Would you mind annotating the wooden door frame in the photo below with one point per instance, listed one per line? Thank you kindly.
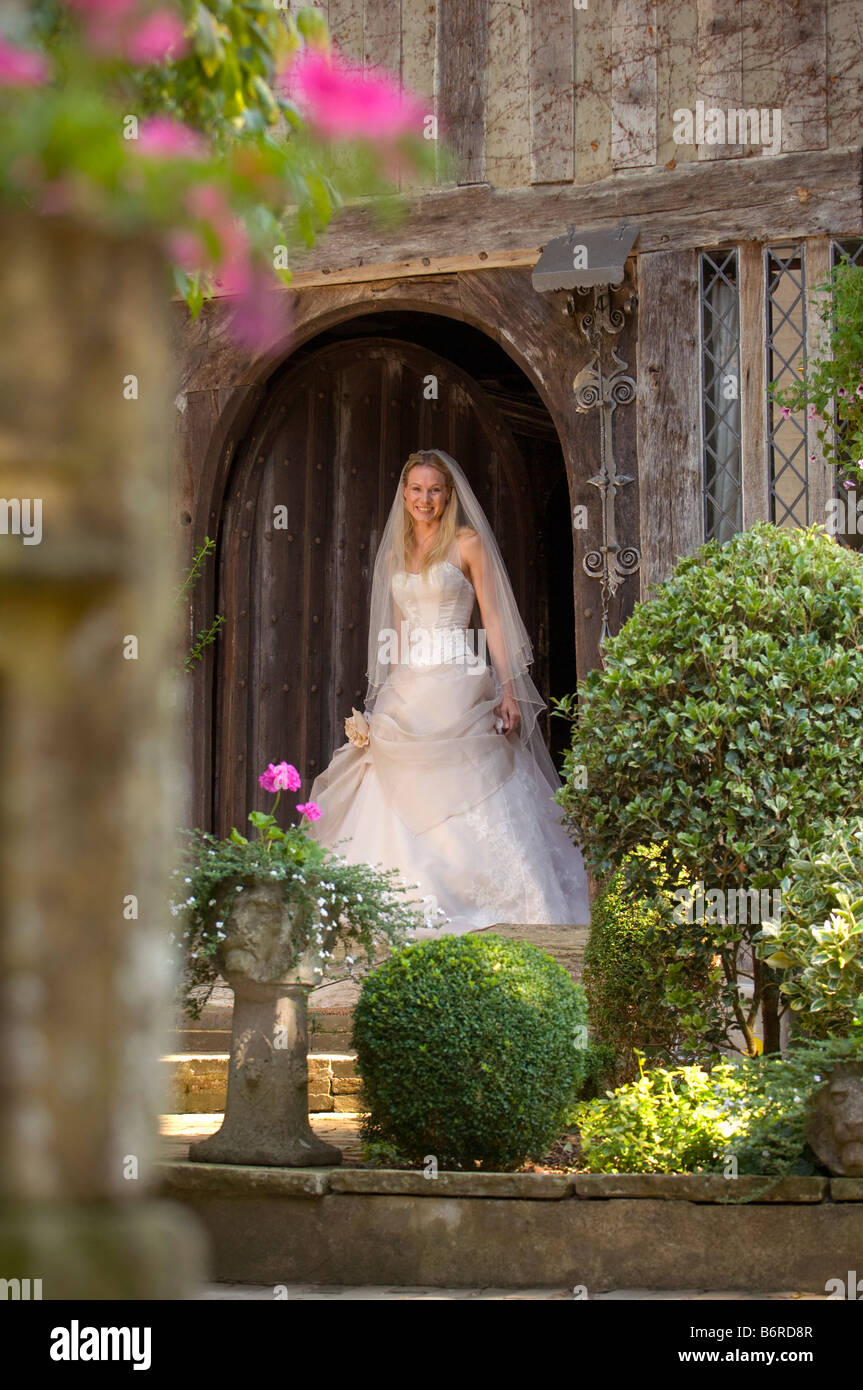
(234, 570)
(222, 389)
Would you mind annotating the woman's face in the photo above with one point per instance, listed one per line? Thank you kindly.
(426, 493)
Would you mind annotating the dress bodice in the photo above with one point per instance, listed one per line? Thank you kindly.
(441, 598)
(436, 607)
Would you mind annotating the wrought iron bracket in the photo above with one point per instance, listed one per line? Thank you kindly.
(603, 385)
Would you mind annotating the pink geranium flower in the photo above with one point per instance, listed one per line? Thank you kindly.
(344, 101)
(311, 809)
(157, 38)
(169, 139)
(21, 68)
(785, 412)
(280, 777)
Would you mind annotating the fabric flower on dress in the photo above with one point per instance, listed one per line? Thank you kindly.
(357, 729)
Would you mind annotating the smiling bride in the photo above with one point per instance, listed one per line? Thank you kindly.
(446, 777)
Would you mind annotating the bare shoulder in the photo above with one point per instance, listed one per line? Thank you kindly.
(469, 548)
(468, 539)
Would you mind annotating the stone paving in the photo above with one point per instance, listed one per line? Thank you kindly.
(179, 1131)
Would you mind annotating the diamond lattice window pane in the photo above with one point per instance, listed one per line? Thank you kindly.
(720, 395)
(786, 357)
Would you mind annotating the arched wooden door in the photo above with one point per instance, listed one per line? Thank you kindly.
(328, 445)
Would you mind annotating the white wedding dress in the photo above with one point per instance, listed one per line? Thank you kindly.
(456, 807)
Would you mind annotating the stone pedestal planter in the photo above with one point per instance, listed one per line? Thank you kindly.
(266, 1114)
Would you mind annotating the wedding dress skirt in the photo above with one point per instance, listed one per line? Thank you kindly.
(460, 810)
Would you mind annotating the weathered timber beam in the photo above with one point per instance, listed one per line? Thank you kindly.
(812, 193)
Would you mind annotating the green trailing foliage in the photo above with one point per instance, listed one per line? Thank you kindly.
(471, 1050)
(369, 905)
(725, 727)
(207, 635)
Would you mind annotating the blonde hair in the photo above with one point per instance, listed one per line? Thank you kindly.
(448, 525)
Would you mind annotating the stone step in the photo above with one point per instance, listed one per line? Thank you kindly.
(329, 1027)
(196, 1083)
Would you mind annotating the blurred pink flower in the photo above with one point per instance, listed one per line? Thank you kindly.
(19, 67)
(207, 202)
(157, 38)
(186, 249)
(812, 412)
(280, 777)
(785, 412)
(169, 139)
(311, 809)
(345, 101)
(859, 391)
(261, 315)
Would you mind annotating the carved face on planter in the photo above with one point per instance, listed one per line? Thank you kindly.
(259, 942)
(836, 1132)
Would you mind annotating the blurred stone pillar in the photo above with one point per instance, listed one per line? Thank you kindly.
(88, 763)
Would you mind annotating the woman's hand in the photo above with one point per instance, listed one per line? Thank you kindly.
(509, 712)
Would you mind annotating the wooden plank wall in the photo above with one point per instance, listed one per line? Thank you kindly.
(546, 91)
(668, 406)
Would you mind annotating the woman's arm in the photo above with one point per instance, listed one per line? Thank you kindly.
(473, 555)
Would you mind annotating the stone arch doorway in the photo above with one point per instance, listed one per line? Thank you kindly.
(327, 443)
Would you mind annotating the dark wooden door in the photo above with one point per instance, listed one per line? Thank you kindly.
(328, 444)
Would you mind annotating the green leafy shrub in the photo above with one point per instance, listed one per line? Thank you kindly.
(748, 1117)
(818, 941)
(471, 1049)
(632, 967)
(727, 720)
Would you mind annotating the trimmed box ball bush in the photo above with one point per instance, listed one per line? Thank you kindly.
(727, 721)
(471, 1049)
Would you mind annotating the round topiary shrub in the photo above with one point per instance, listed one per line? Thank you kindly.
(471, 1049)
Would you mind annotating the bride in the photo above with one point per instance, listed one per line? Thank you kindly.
(446, 777)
